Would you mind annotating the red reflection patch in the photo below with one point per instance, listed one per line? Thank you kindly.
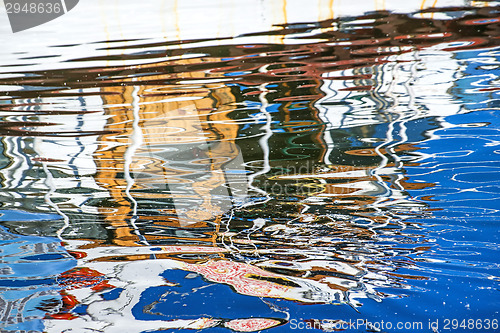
(251, 324)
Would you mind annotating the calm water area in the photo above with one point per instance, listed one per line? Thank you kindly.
(332, 174)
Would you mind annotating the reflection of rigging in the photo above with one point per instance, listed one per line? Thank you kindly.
(136, 140)
(390, 104)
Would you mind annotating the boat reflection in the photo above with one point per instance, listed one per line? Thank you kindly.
(176, 158)
(269, 172)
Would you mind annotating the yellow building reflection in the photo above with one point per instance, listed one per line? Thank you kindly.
(173, 144)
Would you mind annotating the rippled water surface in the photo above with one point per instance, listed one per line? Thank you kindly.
(313, 175)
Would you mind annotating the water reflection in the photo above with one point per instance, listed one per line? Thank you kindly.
(254, 178)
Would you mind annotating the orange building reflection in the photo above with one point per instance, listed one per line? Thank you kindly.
(154, 125)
